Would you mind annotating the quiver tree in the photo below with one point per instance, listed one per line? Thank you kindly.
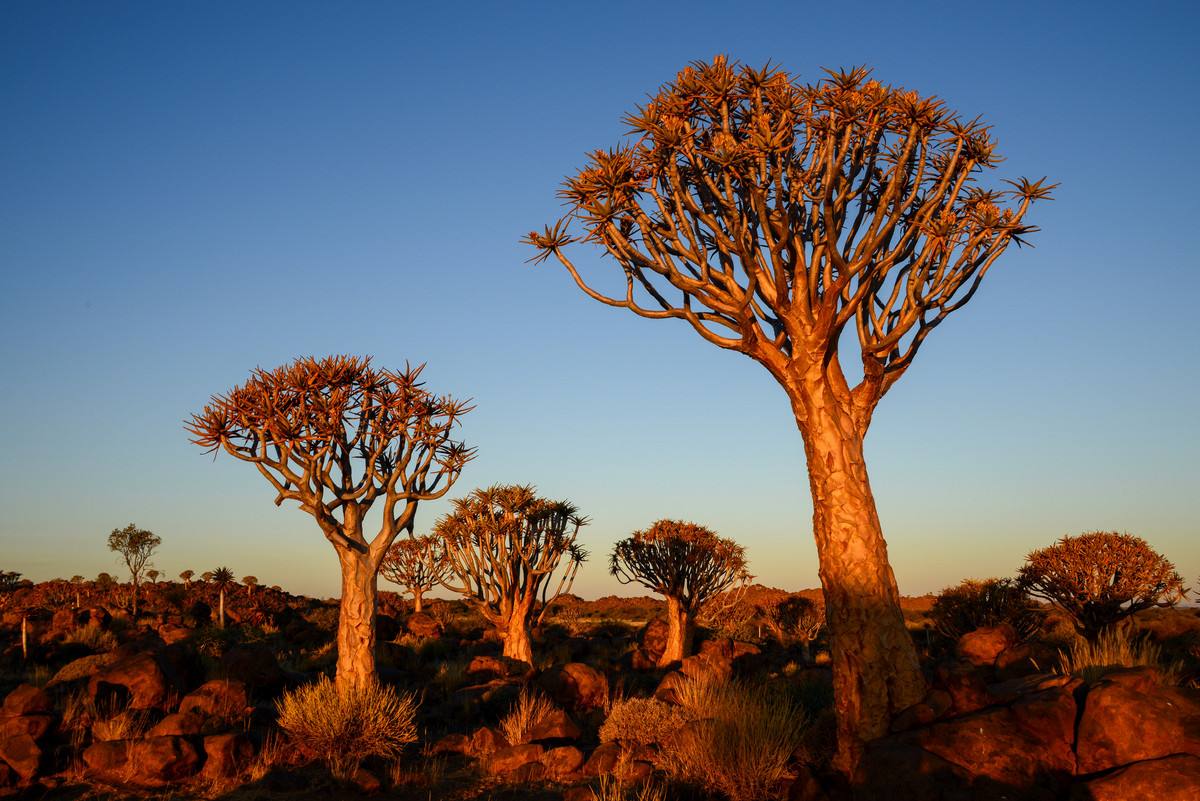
(418, 564)
(153, 575)
(974, 603)
(186, 576)
(688, 564)
(135, 546)
(1101, 577)
(251, 582)
(222, 577)
(503, 545)
(773, 216)
(795, 619)
(335, 435)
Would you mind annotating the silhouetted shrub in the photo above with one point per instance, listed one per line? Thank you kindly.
(1101, 577)
(974, 604)
(343, 730)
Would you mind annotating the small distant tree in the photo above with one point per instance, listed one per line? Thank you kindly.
(418, 564)
(77, 582)
(251, 582)
(222, 577)
(105, 581)
(206, 576)
(503, 545)
(688, 564)
(9, 579)
(186, 576)
(135, 546)
(153, 575)
(336, 435)
(795, 619)
(1101, 577)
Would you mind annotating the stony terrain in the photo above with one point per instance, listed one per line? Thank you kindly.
(170, 703)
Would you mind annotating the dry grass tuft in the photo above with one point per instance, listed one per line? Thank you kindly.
(1115, 648)
(531, 708)
(741, 741)
(611, 789)
(343, 731)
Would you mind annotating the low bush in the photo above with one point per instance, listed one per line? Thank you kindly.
(974, 604)
(642, 721)
(740, 741)
(343, 731)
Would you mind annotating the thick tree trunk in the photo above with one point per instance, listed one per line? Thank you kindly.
(876, 672)
(356, 623)
(679, 633)
(517, 644)
(417, 605)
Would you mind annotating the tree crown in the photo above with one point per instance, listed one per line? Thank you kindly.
(335, 434)
(416, 563)
(681, 560)
(134, 545)
(770, 214)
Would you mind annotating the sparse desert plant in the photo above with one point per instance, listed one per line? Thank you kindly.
(642, 721)
(1101, 577)
(336, 435)
(791, 222)
(93, 637)
(250, 582)
(186, 577)
(418, 564)
(344, 728)
(610, 788)
(685, 562)
(741, 740)
(974, 603)
(530, 709)
(503, 546)
(1115, 647)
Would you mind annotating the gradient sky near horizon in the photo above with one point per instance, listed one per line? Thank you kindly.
(190, 190)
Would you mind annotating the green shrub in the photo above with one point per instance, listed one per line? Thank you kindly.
(974, 604)
(642, 721)
(741, 739)
(343, 731)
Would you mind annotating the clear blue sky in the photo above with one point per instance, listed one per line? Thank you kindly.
(188, 190)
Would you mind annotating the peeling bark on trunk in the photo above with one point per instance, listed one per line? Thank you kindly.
(517, 644)
(679, 633)
(876, 672)
(356, 623)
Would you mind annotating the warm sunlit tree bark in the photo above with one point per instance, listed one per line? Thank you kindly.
(688, 564)
(336, 435)
(771, 216)
(418, 564)
(503, 545)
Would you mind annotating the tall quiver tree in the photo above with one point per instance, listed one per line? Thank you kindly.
(222, 577)
(418, 564)
(771, 216)
(688, 564)
(503, 545)
(135, 546)
(336, 435)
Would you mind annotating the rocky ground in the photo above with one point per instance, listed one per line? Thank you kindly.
(171, 704)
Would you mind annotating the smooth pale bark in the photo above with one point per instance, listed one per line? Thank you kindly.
(356, 622)
(517, 644)
(876, 672)
(221, 609)
(417, 597)
(680, 632)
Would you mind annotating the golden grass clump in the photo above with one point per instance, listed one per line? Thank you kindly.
(1115, 648)
(741, 739)
(612, 789)
(343, 731)
(530, 709)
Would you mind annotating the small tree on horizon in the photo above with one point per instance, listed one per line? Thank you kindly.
(336, 435)
(222, 577)
(186, 576)
(418, 564)
(251, 582)
(775, 217)
(686, 563)
(503, 545)
(153, 575)
(135, 547)
(1101, 577)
